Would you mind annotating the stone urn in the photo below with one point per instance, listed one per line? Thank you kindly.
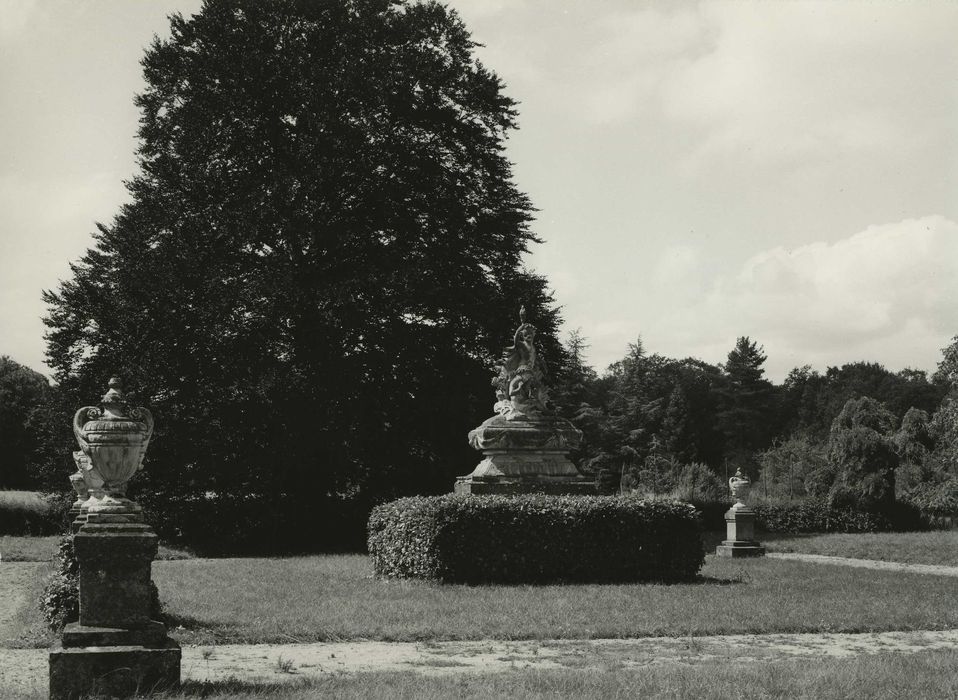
(739, 485)
(114, 436)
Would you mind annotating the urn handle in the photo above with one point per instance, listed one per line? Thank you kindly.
(79, 418)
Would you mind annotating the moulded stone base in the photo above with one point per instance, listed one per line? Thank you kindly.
(468, 485)
(151, 634)
(118, 671)
(740, 549)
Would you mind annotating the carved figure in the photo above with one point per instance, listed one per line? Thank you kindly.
(520, 385)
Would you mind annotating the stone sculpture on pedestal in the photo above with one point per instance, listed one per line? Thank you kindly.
(114, 648)
(740, 522)
(78, 482)
(525, 446)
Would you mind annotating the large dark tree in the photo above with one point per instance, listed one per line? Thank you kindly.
(321, 257)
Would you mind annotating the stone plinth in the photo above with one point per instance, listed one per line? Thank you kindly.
(740, 534)
(115, 561)
(115, 649)
(525, 455)
(113, 671)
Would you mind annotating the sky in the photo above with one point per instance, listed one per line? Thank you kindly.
(786, 171)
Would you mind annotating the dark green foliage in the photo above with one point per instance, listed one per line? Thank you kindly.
(321, 258)
(795, 468)
(816, 515)
(819, 516)
(936, 499)
(23, 395)
(745, 417)
(251, 524)
(26, 513)
(60, 600)
(862, 448)
(535, 539)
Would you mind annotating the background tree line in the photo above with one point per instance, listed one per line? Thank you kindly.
(856, 434)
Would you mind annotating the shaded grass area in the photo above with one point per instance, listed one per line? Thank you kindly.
(29, 512)
(935, 547)
(335, 598)
(25, 628)
(27, 548)
(931, 674)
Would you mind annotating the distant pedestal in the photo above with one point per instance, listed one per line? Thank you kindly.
(487, 486)
(115, 649)
(526, 455)
(740, 534)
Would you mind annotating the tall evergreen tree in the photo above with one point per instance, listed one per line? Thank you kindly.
(321, 258)
(745, 415)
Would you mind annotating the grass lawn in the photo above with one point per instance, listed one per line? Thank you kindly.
(24, 500)
(936, 547)
(929, 674)
(331, 598)
(22, 548)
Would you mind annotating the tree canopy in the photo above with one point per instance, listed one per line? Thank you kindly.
(321, 256)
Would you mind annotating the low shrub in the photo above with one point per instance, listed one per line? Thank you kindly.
(60, 600)
(255, 525)
(535, 539)
(816, 515)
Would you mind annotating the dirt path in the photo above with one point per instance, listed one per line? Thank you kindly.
(24, 671)
(869, 563)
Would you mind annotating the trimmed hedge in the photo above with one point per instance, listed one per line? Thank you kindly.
(818, 516)
(535, 539)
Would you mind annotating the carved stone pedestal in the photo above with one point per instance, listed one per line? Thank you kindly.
(740, 534)
(115, 649)
(527, 455)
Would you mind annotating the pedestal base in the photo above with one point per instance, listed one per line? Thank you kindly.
(740, 534)
(469, 485)
(739, 549)
(113, 671)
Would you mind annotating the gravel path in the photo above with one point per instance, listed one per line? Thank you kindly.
(24, 671)
(869, 563)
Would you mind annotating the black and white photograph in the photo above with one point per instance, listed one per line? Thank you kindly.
(521, 349)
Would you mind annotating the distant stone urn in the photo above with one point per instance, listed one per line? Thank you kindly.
(739, 485)
(115, 437)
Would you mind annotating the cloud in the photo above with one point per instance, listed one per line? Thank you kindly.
(885, 294)
(797, 81)
(16, 16)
